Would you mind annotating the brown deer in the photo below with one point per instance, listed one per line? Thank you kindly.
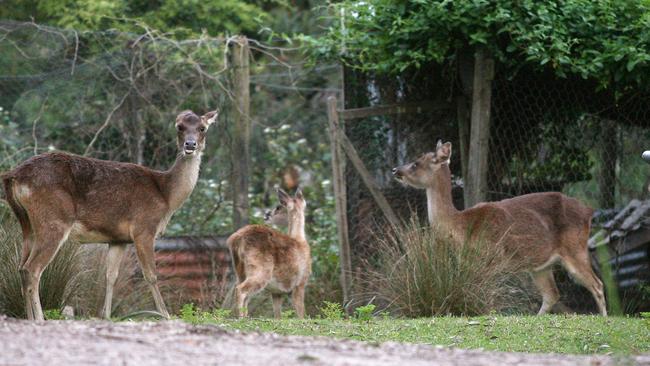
(266, 258)
(537, 229)
(59, 196)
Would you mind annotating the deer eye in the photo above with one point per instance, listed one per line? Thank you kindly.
(180, 128)
(202, 129)
(415, 165)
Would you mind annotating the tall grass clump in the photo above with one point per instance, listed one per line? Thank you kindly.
(420, 271)
(58, 282)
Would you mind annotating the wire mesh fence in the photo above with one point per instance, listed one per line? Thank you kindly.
(546, 134)
(115, 95)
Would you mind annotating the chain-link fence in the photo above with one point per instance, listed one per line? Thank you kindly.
(546, 134)
(115, 95)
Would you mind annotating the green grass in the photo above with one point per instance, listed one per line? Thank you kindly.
(571, 334)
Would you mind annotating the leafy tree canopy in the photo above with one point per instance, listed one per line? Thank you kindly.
(184, 17)
(607, 40)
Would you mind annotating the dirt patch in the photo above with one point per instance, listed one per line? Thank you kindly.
(175, 342)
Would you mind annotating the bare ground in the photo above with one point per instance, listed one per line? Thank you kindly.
(175, 342)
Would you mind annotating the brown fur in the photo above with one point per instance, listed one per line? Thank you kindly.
(535, 230)
(57, 196)
(266, 258)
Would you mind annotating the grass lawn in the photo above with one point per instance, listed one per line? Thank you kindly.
(572, 334)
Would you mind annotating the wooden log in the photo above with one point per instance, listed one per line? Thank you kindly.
(340, 199)
(480, 128)
(241, 132)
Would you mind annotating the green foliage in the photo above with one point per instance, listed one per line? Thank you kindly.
(219, 313)
(53, 314)
(605, 40)
(182, 17)
(332, 310)
(10, 140)
(288, 314)
(189, 314)
(570, 334)
(365, 313)
(193, 315)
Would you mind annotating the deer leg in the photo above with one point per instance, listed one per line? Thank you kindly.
(545, 283)
(298, 299)
(41, 253)
(580, 269)
(113, 261)
(247, 289)
(144, 245)
(27, 245)
(277, 305)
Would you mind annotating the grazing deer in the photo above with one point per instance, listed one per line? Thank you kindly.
(537, 229)
(266, 258)
(58, 196)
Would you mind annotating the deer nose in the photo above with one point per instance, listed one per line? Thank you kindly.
(190, 145)
(395, 172)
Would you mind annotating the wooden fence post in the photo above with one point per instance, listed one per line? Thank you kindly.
(366, 177)
(480, 128)
(241, 132)
(463, 120)
(340, 199)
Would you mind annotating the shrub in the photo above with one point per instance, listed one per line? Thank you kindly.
(332, 310)
(421, 272)
(365, 313)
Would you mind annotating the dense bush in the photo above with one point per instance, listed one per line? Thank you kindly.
(422, 272)
(605, 40)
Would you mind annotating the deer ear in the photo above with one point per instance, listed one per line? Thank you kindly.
(210, 117)
(438, 145)
(283, 197)
(298, 194)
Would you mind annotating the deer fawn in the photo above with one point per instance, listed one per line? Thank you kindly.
(266, 258)
(58, 196)
(538, 229)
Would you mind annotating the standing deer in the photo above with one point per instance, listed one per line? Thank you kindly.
(58, 196)
(538, 229)
(266, 258)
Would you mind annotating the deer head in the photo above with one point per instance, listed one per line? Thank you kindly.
(191, 131)
(420, 173)
(295, 206)
(277, 217)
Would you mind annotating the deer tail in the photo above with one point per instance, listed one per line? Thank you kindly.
(23, 218)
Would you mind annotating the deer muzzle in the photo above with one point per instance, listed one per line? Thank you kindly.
(189, 146)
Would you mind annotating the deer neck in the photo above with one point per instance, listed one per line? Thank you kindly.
(181, 179)
(440, 207)
(296, 227)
